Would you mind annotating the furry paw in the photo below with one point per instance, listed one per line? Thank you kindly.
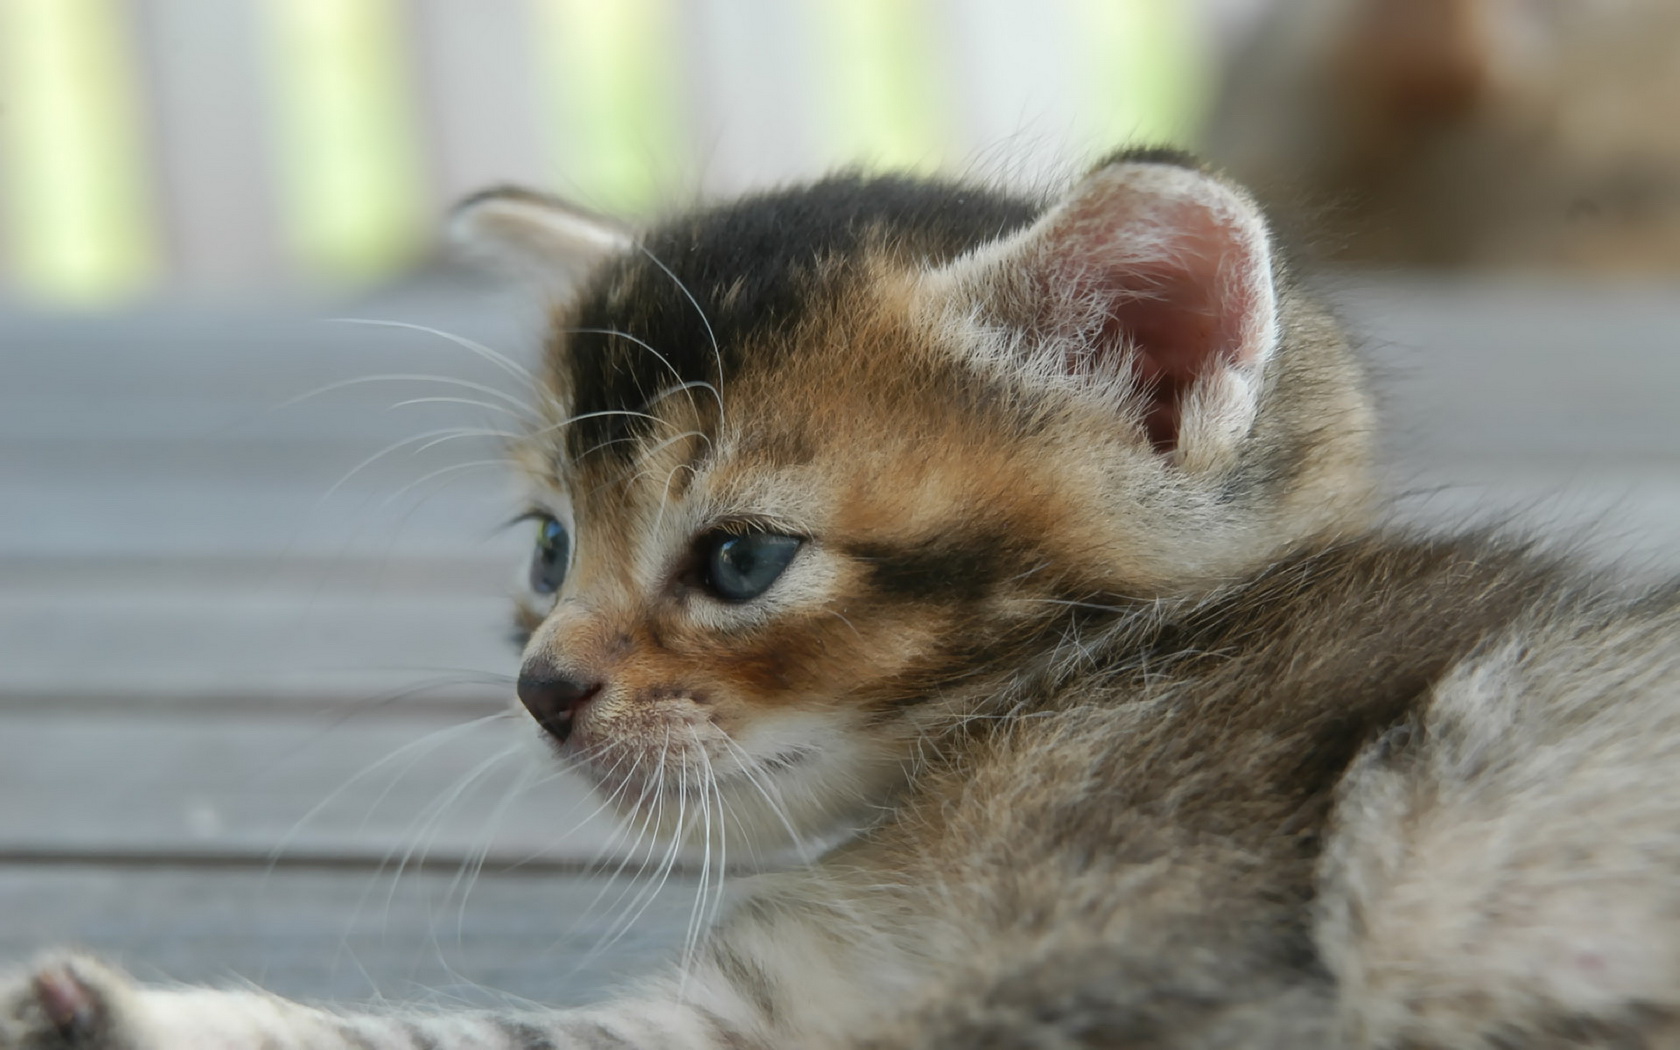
(65, 1002)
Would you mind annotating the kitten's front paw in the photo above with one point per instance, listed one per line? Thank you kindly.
(65, 1002)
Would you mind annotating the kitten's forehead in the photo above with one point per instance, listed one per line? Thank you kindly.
(707, 296)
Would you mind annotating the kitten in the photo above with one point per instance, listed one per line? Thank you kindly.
(1466, 132)
(1024, 553)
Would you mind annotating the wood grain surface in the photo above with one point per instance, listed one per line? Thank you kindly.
(252, 698)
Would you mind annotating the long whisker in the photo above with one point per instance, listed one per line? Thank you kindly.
(472, 865)
(606, 803)
(445, 433)
(626, 828)
(668, 442)
(468, 401)
(564, 423)
(456, 468)
(423, 824)
(666, 361)
(723, 836)
(665, 495)
(601, 806)
(425, 745)
(1140, 604)
(750, 768)
(520, 406)
(466, 432)
(616, 928)
(644, 898)
(691, 938)
(693, 384)
(845, 620)
(621, 830)
(717, 352)
(500, 360)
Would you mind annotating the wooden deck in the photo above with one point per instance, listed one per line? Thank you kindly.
(238, 694)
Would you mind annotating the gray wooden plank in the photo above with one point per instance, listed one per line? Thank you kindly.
(177, 432)
(170, 526)
(346, 937)
(147, 556)
(171, 630)
(1535, 401)
(1529, 368)
(376, 787)
(163, 539)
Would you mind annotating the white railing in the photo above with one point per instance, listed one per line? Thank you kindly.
(165, 146)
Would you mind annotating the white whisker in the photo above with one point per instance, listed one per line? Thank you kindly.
(750, 769)
(417, 439)
(455, 469)
(691, 938)
(843, 619)
(668, 442)
(465, 432)
(1140, 605)
(472, 864)
(666, 361)
(645, 897)
(664, 495)
(723, 837)
(693, 384)
(518, 405)
(564, 423)
(717, 352)
(425, 745)
(470, 402)
(625, 829)
(502, 361)
(423, 824)
(651, 451)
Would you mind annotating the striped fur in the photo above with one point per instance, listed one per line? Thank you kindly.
(1122, 724)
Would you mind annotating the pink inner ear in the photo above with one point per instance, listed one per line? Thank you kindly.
(1177, 332)
(1180, 278)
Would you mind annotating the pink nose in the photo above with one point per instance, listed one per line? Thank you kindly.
(553, 699)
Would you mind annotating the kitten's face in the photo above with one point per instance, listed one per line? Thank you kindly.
(824, 470)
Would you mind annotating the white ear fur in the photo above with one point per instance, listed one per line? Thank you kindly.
(534, 235)
(1154, 273)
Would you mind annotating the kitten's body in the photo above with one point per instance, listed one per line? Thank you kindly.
(1135, 732)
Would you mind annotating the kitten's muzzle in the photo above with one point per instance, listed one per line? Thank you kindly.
(554, 699)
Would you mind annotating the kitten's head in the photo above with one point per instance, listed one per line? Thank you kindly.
(824, 467)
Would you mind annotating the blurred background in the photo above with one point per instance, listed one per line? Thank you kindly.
(248, 147)
(253, 593)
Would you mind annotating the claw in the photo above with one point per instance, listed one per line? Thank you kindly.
(67, 1001)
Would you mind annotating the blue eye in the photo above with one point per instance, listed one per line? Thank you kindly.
(740, 567)
(548, 562)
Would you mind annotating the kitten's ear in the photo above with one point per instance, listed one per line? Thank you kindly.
(535, 235)
(1151, 278)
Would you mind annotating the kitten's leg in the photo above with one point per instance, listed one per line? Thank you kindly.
(1507, 872)
(733, 996)
(76, 1003)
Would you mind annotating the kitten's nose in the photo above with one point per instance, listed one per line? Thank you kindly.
(553, 698)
